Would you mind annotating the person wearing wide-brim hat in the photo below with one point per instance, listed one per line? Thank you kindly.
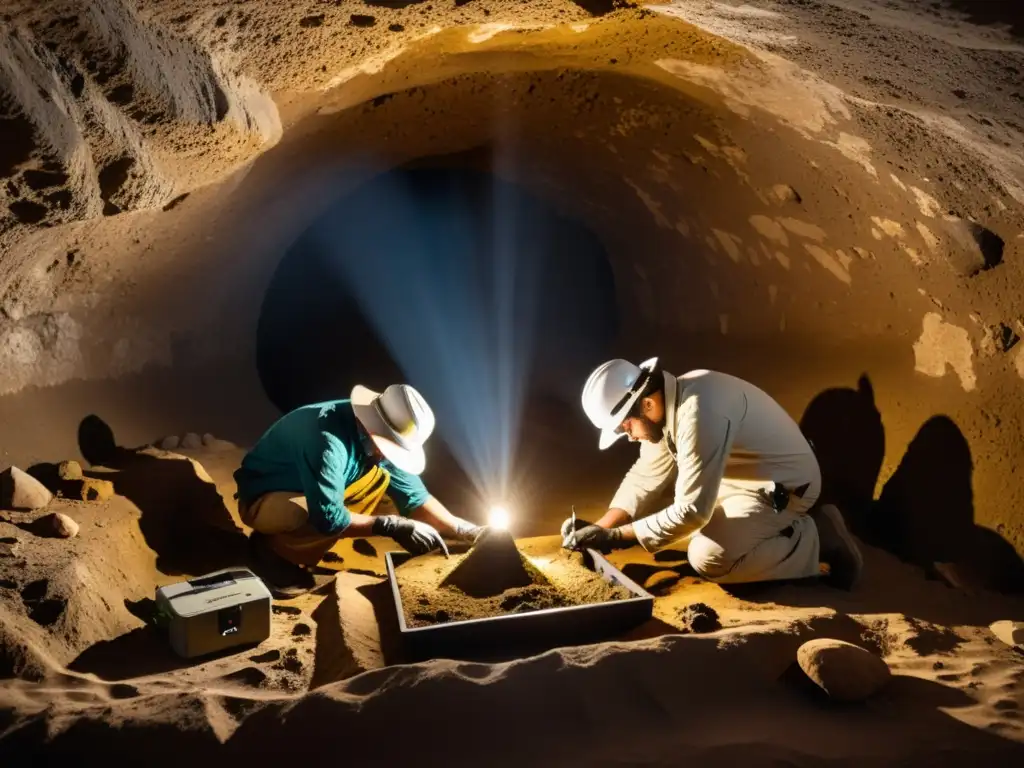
(318, 473)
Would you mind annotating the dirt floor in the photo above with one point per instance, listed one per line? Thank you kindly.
(78, 654)
(475, 585)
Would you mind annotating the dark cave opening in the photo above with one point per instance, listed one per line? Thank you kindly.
(469, 288)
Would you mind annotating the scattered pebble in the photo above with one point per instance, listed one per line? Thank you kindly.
(69, 470)
(170, 443)
(699, 618)
(60, 525)
(846, 672)
(19, 490)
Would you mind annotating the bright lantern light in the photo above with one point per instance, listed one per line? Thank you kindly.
(498, 518)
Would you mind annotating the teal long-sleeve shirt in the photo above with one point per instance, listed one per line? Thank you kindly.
(317, 450)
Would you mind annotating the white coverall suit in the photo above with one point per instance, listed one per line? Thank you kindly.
(728, 443)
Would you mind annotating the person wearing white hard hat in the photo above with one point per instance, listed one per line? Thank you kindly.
(319, 472)
(746, 479)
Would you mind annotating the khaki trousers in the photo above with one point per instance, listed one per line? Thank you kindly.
(283, 517)
(746, 539)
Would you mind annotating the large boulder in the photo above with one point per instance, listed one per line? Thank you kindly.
(846, 672)
(19, 490)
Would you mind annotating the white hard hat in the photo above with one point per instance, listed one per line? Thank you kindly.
(611, 392)
(399, 422)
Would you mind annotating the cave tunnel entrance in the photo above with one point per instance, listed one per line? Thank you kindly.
(474, 291)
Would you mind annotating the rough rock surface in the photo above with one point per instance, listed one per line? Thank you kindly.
(846, 672)
(19, 490)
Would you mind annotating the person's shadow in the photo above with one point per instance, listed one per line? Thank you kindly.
(925, 512)
(846, 430)
(183, 517)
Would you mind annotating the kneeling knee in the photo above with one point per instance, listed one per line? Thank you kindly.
(708, 560)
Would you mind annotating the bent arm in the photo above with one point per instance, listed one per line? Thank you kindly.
(322, 471)
(649, 476)
(704, 440)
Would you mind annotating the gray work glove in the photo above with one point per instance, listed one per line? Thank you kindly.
(412, 535)
(604, 540)
(467, 531)
(567, 526)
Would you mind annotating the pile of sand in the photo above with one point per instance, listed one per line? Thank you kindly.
(496, 577)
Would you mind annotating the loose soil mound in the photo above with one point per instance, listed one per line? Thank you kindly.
(494, 565)
(536, 575)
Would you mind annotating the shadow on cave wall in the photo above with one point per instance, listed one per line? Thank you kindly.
(1009, 12)
(184, 519)
(448, 278)
(925, 512)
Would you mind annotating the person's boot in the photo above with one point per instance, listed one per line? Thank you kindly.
(838, 548)
(284, 579)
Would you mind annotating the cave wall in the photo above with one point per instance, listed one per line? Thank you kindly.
(770, 218)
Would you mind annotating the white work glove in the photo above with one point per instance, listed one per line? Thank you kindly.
(413, 536)
(467, 531)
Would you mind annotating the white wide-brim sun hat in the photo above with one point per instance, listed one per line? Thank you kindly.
(398, 420)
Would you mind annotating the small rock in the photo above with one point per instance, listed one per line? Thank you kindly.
(699, 618)
(170, 443)
(8, 546)
(301, 629)
(87, 489)
(1010, 632)
(69, 470)
(59, 525)
(191, 440)
(19, 490)
(661, 581)
(216, 444)
(863, 253)
(997, 339)
(979, 248)
(783, 193)
(288, 610)
(846, 672)
(362, 20)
